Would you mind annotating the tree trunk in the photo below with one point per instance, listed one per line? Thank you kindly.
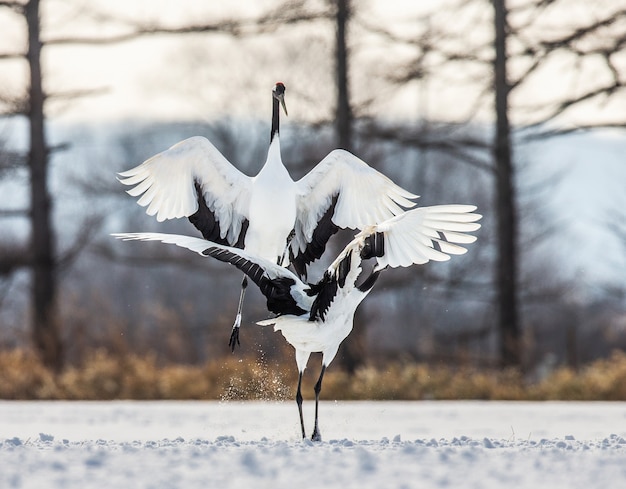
(506, 282)
(343, 119)
(45, 326)
(352, 351)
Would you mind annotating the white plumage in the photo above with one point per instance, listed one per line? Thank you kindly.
(266, 213)
(317, 318)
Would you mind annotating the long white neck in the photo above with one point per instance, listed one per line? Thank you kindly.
(273, 155)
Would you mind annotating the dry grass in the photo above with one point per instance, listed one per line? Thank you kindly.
(103, 376)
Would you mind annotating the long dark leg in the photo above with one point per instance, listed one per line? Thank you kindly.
(317, 435)
(282, 260)
(234, 334)
(299, 401)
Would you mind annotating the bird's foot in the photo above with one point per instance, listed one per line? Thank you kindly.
(234, 338)
(234, 334)
(317, 435)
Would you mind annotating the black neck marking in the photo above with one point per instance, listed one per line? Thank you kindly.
(275, 118)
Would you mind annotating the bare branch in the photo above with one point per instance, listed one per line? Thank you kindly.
(288, 14)
(14, 213)
(227, 28)
(430, 36)
(183, 260)
(89, 228)
(14, 256)
(465, 148)
(72, 94)
(10, 160)
(17, 7)
(15, 55)
(59, 147)
(582, 32)
(566, 104)
(557, 132)
(536, 8)
(14, 104)
(537, 63)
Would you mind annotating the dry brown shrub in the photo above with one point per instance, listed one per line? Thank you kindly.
(23, 376)
(602, 380)
(186, 382)
(102, 376)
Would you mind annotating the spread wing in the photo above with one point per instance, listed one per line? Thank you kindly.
(342, 191)
(427, 233)
(193, 179)
(413, 237)
(284, 291)
(418, 236)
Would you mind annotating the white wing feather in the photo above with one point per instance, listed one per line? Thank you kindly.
(199, 245)
(166, 181)
(420, 235)
(365, 196)
(427, 233)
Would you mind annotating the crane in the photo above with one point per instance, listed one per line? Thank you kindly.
(318, 317)
(269, 215)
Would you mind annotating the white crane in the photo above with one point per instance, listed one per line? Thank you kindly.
(317, 318)
(266, 213)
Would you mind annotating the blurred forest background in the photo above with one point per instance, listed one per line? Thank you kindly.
(517, 106)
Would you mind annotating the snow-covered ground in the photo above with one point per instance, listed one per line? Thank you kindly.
(366, 444)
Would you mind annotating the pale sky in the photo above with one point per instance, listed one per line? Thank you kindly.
(200, 77)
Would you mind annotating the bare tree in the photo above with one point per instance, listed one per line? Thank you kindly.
(343, 118)
(580, 43)
(528, 38)
(352, 353)
(41, 257)
(505, 207)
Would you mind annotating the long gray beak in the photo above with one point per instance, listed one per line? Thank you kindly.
(282, 102)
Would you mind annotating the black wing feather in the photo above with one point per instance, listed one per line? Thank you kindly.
(373, 246)
(326, 289)
(204, 221)
(315, 249)
(277, 291)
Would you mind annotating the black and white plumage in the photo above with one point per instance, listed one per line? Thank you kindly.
(267, 213)
(318, 317)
